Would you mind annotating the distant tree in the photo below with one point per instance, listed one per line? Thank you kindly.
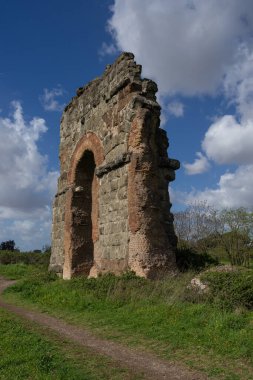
(236, 234)
(201, 227)
(7, 245)
(195, 225)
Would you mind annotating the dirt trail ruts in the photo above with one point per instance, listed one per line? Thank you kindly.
(139, 361)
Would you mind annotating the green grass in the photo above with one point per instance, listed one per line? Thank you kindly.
(18, 271)
(155, 315)
(26, 354)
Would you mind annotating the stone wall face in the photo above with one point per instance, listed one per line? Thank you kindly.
(112, 209)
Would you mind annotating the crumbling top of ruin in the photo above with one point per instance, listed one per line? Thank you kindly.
(112, 209)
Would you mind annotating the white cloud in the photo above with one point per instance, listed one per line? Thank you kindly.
(176, 109)
(29, 231)
(27, 186)
(186, 46)
(199, 166)
(49, 99)
(238, 82)
(233, 190)
(228, 141)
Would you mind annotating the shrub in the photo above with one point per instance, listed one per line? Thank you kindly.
(230, 290)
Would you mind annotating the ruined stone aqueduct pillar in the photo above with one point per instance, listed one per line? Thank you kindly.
(112, 209)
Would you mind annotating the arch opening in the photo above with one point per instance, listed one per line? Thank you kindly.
(82, 211)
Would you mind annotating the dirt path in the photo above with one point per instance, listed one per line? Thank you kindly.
(139, 361)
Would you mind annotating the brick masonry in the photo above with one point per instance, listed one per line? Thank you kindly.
(112, 209)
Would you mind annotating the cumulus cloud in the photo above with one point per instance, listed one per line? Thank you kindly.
(229, 139)
(229, 142)
(199, 166)
(176, 109)
(50, 99)
(186, 45)
(28, 233)
(238, 82)
(233, 190)
(27, 186)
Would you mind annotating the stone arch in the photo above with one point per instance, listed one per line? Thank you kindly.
(128, 184)
(81, 213)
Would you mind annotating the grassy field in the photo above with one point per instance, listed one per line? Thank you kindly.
(18, 271)
(162, 317)
(25, 353)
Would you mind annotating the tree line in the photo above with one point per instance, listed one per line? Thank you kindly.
(208, 230)
(8, 245)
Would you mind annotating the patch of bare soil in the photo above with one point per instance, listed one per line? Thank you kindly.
(139, 361)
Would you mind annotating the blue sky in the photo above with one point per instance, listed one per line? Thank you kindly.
(200, 54)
